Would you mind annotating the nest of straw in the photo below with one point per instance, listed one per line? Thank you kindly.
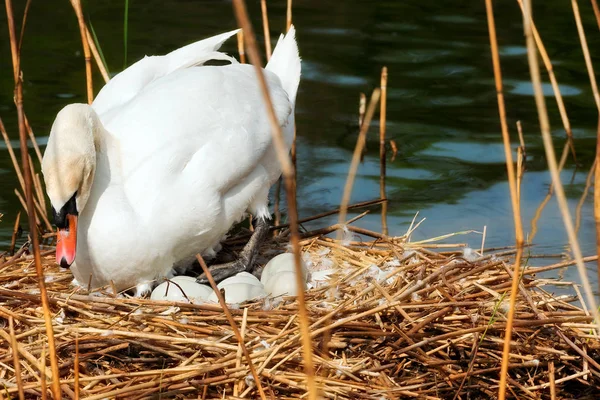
(395, 320)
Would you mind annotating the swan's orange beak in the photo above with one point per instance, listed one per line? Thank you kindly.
(66, 245)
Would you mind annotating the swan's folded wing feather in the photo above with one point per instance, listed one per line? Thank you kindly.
(126, 85)
(204, 129)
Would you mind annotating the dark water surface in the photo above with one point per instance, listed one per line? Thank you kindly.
(442, 109)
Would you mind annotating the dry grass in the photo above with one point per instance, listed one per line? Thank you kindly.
(404, 320)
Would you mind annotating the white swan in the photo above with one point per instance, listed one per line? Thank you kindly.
(168, 157)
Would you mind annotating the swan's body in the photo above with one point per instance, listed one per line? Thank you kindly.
(182, 152)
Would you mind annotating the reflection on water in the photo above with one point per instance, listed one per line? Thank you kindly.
(442, 109)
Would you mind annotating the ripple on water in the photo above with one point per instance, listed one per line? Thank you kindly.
(316, 72)
(454, 19)
(403, 56)
(436, 71)
(66, 95)
(478, 153)
(512, 50)
(525, 88)
(334, 32)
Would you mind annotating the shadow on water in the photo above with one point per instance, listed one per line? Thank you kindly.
(442, 109)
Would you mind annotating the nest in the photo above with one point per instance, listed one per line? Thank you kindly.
(394, 320)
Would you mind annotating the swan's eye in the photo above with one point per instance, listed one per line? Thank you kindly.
(70, 208)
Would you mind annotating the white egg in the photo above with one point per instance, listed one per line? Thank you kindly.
(280, 263)
(283, 284)
(172, 291)
(240, 288)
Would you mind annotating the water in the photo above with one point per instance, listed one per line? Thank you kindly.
(442, 109)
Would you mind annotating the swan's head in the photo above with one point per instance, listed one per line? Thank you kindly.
(68, 166)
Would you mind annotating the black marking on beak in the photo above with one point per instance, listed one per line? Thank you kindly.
(60, 218)
(64, 263)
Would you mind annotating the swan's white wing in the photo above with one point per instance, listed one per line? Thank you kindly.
(195, 132)
(127, 84)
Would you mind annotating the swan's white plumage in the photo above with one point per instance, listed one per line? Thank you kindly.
(183, 152)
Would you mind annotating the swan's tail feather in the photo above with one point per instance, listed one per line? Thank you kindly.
(199, 52)
(285, 63)
(125, 85)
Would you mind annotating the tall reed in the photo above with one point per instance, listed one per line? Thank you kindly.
(26, 167)
(288, 178)
(513, 196)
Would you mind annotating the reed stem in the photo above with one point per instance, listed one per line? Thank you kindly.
(86, 50)
(288, 15)
(360, 144)
(513, 197)
(266, 31)
(288, 176)
(560, 195)
(30, 200)
(382, 149)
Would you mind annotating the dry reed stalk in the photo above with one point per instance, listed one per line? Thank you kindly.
(596, 12)
(13, 240)
(588, 184)
(555, 87)
(266, 31)
(362, 108)
(556, 178)
(12, 155)
(238, 363)
(96, 54)
(43, 383)
(23, 23)
(240, 43)
(597, 196)
(86, 49)
(15, 356)
(277, 206)
(30, 201)
(513, 196)
(234, 327)
(288, 15)
(552, 380)
(76, 368)
(593, 84)
(37, 183)
(360, 143)
(288, 173)
(36, 148)
(382, 151)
